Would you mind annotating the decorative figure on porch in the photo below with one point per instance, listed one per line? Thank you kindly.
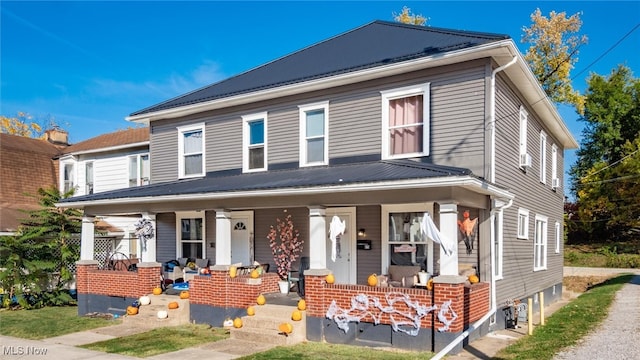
(286, 245)
(467, 229)
(430, 231)
(408, 313)
(144, 231)
(336, 229)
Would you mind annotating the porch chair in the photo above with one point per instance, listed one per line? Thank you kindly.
(298, 276)
(189, 273)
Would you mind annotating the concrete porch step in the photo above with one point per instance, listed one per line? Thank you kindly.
(275, 311)
(263, 326)
(148, 314)
(267, 336)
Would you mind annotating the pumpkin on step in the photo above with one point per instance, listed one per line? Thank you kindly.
(302, 305)
(184, 294)
(144, 300)
(261, 300)
(474, 279)
(162, 314)
(251, 311)
(173, 305)
(237, 323)
(330, 279)
(286, 328)
(296, 315)
(157, 291)
(254, 274)
(132, 310)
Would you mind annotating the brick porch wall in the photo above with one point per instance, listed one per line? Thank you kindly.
(476, 302)
(219, 290)
(132, 284)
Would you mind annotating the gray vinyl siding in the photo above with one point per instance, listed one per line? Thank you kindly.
(368, 218)
(165, 237)
(265, 218)
(539, 199)
(457, 117)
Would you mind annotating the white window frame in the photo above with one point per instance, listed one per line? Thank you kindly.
(246, 141)
(523, 132)
(424, 90)
(554, 162)
(303, 109)
(140, 179)
(540, 243)
(558, 233)
(89, 165)
(523, 224)
(181, 215)
(182, 130)
(63, 180)
(543, 157)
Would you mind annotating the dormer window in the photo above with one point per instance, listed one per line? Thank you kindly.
(405, 122)
(191, 150)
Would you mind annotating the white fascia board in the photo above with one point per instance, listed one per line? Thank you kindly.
(452, 57)
(111, 148)
(468, 182)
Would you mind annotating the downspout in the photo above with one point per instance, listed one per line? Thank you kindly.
(492, 124)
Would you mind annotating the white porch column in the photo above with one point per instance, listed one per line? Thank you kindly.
(317, 238)
(87, 238)
(449, 230)
(223, 237)
(149, 254)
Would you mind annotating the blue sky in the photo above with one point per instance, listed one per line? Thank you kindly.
(89, 64)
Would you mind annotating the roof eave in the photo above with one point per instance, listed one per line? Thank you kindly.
(110, 148)
(469, 182)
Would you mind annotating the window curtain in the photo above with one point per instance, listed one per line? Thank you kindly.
(405, 125)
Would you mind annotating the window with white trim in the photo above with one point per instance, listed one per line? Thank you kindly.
(68, 177)
(405, 122)
(139, 170)
(523, 224)
(540, 244)
(558, 236)
(314, 134)
(554, 164)
(190, 233)
(543, 157)
(191, 149)
(523, 132)
(88, 177)
(254, 138)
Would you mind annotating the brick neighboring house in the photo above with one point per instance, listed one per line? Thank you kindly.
(382, 127)
(27, 164)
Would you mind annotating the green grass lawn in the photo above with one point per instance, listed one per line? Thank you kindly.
(319, 351)
(47, 322)
(567, 325)
(621, 255)
(160, 340)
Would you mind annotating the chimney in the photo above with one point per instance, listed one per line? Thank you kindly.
(57, 136)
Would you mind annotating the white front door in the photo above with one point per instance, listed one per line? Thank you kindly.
(344, 266)
(242, 237)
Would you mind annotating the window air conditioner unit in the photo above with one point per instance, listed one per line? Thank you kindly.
(525, 160)
(555, 183)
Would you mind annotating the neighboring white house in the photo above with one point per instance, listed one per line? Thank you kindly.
(108, 162)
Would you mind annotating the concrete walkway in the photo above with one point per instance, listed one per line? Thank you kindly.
(64, 347)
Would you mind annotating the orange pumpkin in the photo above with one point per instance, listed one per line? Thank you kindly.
(473, 279)
(330, 279)
(254, 274)
(233, 271)
(286, 328)
(430, 284)
(251, 311)
(302, 305)
(157, 291)
(261, 300)
(173, 305)
(132, 310)
(372, 280)
(184, 294)
(237, 323)
(296, 315)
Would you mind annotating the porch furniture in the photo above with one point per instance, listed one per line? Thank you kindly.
(189, 273)
(403, 275)
(298, 276)
(246, 270)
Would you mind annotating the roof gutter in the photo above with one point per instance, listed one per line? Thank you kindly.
(111, 148)
(469, 182)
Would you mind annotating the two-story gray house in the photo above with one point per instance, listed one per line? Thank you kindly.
(388, 128)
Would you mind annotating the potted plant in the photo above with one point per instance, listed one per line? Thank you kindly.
(286, 247)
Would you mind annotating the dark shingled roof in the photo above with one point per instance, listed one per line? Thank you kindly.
(366, 172)
(376, 44)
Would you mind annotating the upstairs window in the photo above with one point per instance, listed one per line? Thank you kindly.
(524, 157)
(191, 151)
(254, 142)
(314, 133)
(405, 122)
(555, 181)
(68, 178)
(88, 177)
(543, 157)
(139, 170)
